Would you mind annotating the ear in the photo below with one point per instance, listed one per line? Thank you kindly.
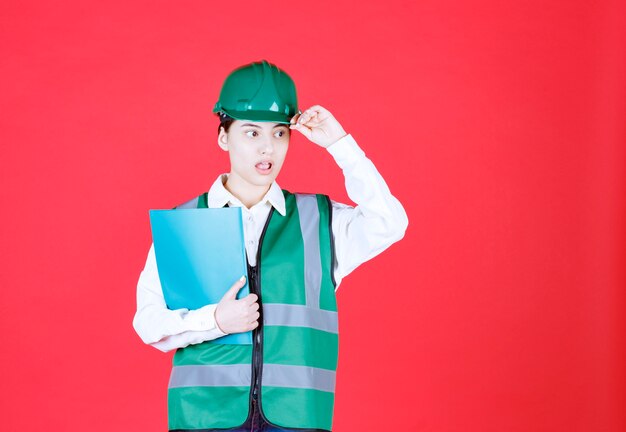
(222, 139)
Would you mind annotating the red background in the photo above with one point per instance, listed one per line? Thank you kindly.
(499, 125)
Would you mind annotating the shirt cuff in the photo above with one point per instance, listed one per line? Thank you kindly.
(345, 150)
(203, 319)
(217, 329)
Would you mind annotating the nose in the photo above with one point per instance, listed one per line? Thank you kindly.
(267, 147)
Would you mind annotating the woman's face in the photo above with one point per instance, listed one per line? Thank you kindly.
(257, 150)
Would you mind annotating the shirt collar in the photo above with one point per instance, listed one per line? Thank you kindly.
(219, 196)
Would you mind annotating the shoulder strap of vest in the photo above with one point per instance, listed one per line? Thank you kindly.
(323, 196)
(332, 239)
(197, 202)
(323, 199)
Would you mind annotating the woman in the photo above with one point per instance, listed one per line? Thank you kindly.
(299, 247)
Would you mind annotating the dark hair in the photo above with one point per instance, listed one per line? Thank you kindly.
(226, 121)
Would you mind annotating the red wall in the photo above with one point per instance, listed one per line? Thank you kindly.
(499, 125)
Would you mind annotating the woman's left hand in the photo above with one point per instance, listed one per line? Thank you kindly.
(318, 125)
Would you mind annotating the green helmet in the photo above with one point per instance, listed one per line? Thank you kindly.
(258, 91)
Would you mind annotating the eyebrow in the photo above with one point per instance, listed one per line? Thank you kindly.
(250, 124)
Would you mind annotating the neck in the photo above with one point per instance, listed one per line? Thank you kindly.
(248, 194)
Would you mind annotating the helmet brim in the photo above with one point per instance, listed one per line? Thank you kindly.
(259, 116)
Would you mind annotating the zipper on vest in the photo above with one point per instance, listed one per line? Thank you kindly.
(257, 333)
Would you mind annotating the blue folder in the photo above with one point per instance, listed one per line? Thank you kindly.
(200, 254)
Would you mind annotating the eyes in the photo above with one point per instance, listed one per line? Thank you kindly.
(252, 133)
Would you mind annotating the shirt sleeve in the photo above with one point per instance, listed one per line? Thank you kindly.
(378, 220)
(167, 329)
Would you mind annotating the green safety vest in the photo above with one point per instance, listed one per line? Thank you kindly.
(293, 357)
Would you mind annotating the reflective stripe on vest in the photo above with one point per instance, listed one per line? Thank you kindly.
(191, 204)
(299, 316)
(240, 374)
(210, 383)
(210, 375)
(310, 225)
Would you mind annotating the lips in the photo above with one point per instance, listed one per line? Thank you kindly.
(264, 167)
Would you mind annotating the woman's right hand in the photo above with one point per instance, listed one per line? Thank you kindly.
(237, 316)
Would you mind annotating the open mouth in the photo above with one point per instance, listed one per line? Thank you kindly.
(264, 167)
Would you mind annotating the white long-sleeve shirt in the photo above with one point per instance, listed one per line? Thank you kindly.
(359, 233)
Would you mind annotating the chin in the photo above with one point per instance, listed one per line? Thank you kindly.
(267, 181)
(259, 180)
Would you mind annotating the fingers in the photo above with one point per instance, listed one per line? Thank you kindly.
(297, 123)
(316, 109)
(319, 108)
(238, 315)
(303, 129)
(310, 116)
(251, 306)
(234, 289)
(253, 313)
(252, 321)
(250, 298)
(316, 113)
